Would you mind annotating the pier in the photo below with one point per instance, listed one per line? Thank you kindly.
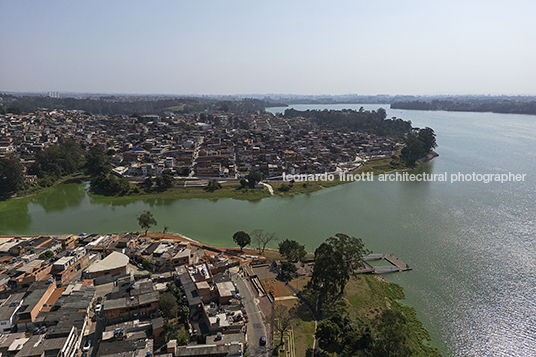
(396, 265)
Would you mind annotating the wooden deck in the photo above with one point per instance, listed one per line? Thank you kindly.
(397, 262)
(396, 265)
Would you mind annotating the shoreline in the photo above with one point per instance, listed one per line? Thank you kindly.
(231, 189)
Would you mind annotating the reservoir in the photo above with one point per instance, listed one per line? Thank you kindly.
(471, 244)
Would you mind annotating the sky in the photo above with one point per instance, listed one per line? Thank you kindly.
(415, 47)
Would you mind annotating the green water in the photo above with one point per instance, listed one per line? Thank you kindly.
(471, 245)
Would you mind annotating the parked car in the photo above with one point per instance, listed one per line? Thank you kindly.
(87, 346)
(98, 308)
(262, 341)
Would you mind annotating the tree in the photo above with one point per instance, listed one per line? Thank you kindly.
(327, 332)
(393, 334)
(110, 185)
(97, 161)
(324, 270)
(427, 136)
(168, 305)
(148, 182)
(282, 320)
(167, 180)
(146, 263)
(253, 178)
(242, 239)
(336, 260)
(418, 142)
(288, 269)
(292, 251)
(46, 255)
(11, 176)
(72, 155)
(213, 185)
(262, 239)
(146, 220)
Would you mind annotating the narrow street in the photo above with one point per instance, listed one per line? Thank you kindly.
(255, 326)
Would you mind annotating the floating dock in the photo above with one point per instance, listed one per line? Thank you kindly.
(396, 264)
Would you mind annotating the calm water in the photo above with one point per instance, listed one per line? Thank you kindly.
(471, 244)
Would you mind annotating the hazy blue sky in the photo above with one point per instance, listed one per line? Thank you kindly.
(240, 47)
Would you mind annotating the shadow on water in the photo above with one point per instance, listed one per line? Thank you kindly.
(61, 197)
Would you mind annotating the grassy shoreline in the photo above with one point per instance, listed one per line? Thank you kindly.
(233, 190)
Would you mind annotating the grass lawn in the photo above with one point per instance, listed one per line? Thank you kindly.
(367, 295)
(303, 327)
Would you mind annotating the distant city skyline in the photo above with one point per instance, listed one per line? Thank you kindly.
(295, 48)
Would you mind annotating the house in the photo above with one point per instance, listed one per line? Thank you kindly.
(8, 310)
(108, 269)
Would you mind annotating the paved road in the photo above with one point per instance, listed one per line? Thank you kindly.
(269, 187)
(255, 326)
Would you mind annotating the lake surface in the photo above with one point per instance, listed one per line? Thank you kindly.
(471, 245)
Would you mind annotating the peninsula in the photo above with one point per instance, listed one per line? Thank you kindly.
(216, 153)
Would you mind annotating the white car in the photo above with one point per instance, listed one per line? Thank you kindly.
(87, 346)
(98, 308)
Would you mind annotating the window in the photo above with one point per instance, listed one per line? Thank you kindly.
(3, 323)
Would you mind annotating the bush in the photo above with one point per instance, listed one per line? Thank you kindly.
(284, 188)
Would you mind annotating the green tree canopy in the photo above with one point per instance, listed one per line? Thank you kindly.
(336, 260)
(327, 332)
(254, 177)
(46, 255)
(288, 269)
(418, 142)
(213, 185)
(11, 176)
(242, 239)
(392, 335)
(146, 221)
(292, 250)
(97, 162)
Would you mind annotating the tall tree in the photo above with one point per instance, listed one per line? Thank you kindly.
(418, 142)
(242, 239)
(97, 162)
(288, 269)
(292, 250)
(336, 261)
(213, 185)
(393, 334)
(327, 332)
(11, 176)
(262, 239)
(253, 178)
(282, 320)
(146, 220)
(428, 137)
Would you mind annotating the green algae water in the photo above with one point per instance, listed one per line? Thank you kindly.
(471, 245)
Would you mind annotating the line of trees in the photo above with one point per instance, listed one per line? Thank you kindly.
(372, 122)
(118, 105)
(510, 106)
